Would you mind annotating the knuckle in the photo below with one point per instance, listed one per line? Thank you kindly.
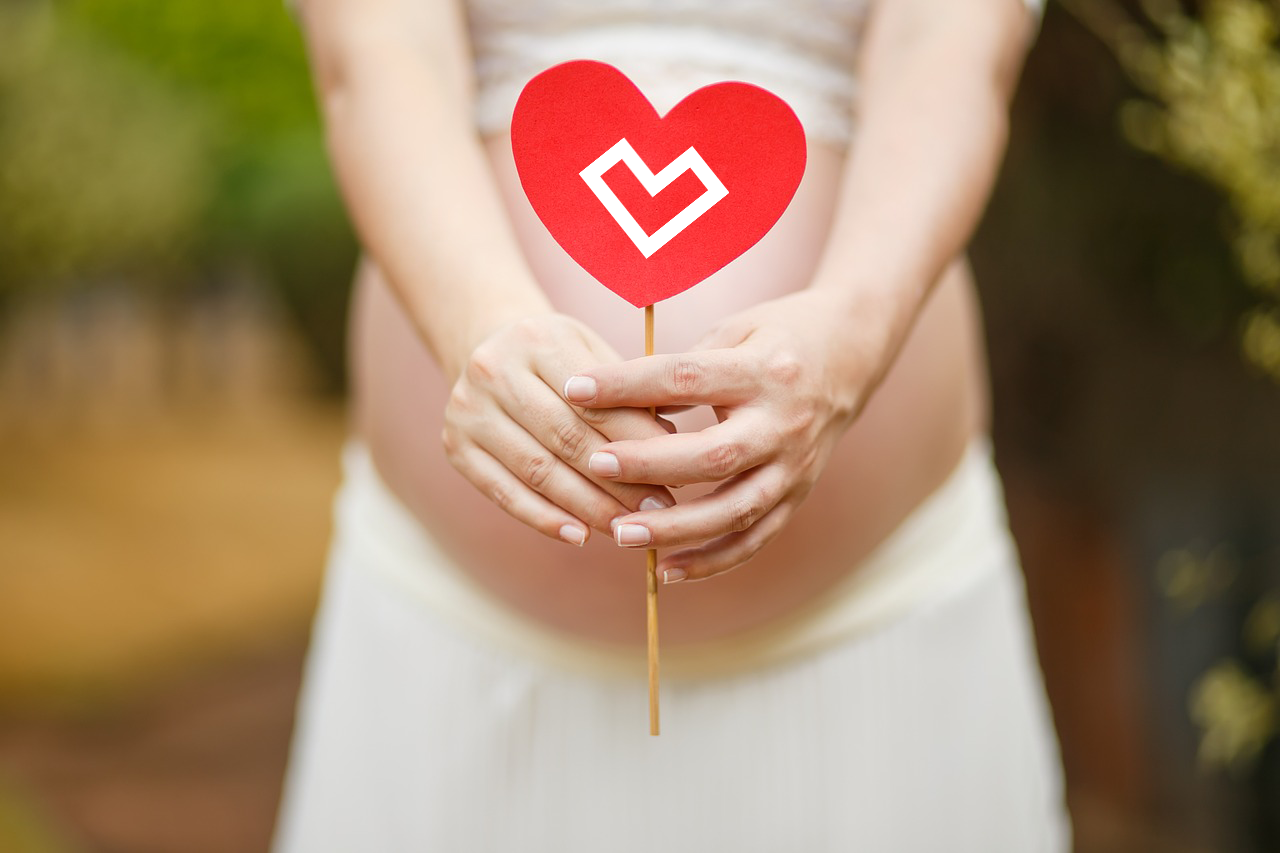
(450, 444)
(740, 515)
(790, 431)
(744, 511)
(570, 438)
(722, 460)
(808, 463)
(601, 512)
(750, 552)
(800, 420)
(534, 333)
(784, 368)
(460, 398)
(502, 496)
(537, 470)
(484, 366)
(686, 376)
(595, 417)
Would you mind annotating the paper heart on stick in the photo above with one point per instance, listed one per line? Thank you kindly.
(651, 205)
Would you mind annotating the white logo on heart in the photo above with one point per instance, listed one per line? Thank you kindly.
(653, 184)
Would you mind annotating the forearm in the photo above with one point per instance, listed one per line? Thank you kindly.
(933, 123)
(396, 101)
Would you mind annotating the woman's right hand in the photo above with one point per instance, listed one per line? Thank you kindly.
(509, 431)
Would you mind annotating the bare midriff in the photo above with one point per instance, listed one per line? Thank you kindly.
(907, 441)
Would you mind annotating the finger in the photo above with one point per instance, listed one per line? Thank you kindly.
(707, 456)
(515, 498)
(625, 424)
(557, 427)
(545, 473)
(615, 424)
(732, 508)
(667, 426)
(716, 377)
(725, 552)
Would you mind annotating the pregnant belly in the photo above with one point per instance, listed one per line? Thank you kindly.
(909, 438)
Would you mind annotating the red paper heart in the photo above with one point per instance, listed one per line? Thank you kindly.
(584, 137)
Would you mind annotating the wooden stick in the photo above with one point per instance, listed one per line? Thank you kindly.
(651, 572)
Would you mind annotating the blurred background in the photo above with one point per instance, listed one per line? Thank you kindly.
(174, 266)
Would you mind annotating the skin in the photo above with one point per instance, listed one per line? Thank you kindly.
(835, 368)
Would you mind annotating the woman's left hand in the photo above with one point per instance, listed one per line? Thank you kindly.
(785, 379)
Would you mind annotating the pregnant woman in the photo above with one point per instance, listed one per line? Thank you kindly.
(864, 678)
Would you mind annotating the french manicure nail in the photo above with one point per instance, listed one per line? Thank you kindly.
(674, 575)
(579, 389)
(630, 535)
(651, 503)
(604, 464)
(573, 534)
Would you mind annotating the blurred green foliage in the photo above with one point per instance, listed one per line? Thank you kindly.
(1237, 711)
(1212, 75)
(1214, 83)
(167, 141)
(101, 165)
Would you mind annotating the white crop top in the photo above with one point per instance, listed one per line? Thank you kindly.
(804, 51)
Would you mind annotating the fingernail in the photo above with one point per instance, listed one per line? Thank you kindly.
(604, 464)
(630, 535)
(651, 503)
(579, 389)
(573, 534)
(674, 575)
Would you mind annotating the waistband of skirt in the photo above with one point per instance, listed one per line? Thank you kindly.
(954, 539)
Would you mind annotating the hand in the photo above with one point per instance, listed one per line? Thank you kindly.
(509, 431)
(785, 378)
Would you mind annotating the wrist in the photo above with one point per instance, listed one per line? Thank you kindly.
(863, 328)
(453, 330)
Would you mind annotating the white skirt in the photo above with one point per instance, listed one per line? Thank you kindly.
(922, 729)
